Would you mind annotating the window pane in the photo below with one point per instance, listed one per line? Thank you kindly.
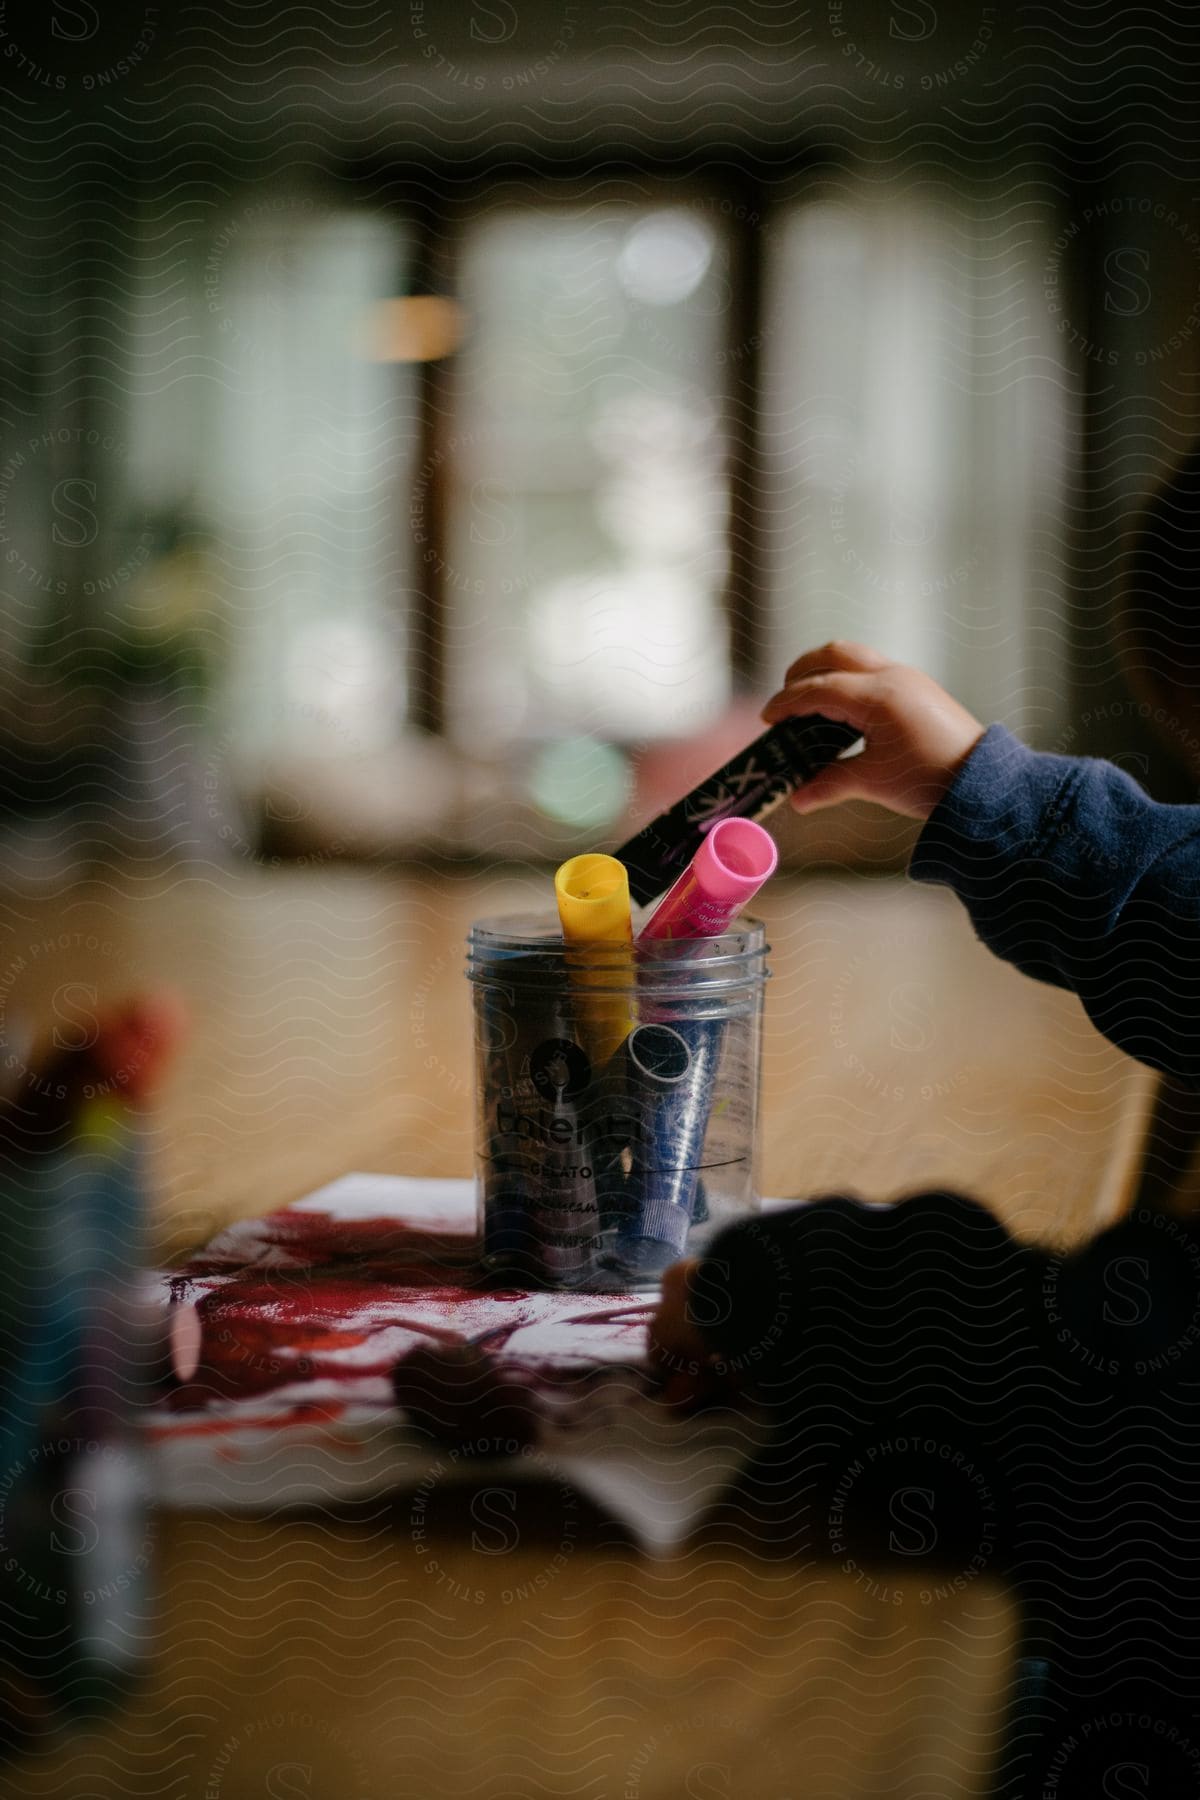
(587, 546)
(913, 427)
(282, 447)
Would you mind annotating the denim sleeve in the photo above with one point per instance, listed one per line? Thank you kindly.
(1072, 873)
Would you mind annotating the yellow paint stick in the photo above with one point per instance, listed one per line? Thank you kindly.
(593, 907)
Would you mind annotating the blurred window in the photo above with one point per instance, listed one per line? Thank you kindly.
(913, 428)
(562, 497)
(264, 424)
(587, 544)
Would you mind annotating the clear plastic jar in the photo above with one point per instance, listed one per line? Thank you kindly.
(616, 1094)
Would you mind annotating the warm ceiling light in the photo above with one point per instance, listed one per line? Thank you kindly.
(419, 328)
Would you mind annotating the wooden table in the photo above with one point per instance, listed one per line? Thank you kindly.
(318, 1659)
(319, 1656)
(332, 1031)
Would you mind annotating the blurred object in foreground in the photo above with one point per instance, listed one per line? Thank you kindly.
(78, 1353)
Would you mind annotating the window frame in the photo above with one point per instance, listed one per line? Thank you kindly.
(439, 215)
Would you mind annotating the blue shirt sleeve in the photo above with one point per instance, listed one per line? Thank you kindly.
(1076, 876)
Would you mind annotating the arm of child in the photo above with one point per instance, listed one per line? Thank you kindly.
(1067, 868)
(1072, 873)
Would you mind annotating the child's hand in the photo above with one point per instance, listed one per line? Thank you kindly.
(689, 1372)
(916, 736)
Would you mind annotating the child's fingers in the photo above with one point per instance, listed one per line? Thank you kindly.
(851, 659)
(839, 781)
(675, 1343)
(688, 1374)
(846, 697)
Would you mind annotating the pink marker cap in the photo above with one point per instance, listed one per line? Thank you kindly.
(734, 860)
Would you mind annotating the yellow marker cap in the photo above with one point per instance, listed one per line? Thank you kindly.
(593, 900)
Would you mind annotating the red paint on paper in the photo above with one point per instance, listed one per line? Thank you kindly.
(307, 1297)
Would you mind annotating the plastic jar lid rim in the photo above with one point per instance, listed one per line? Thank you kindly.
(486, 940)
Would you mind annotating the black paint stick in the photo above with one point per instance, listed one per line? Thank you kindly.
(750, 785)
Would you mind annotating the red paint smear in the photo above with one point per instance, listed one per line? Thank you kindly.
(351, 1298)
(261, 1332)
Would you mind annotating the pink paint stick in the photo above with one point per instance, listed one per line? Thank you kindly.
(728, 869)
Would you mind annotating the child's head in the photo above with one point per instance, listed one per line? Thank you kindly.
(1160, 614)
